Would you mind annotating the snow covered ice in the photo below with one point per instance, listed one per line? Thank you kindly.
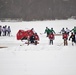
(41, 59)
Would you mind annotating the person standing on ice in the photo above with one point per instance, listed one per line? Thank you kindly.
(62, 31)
(67, 31)
(0, 30)
(48, 31)
(52, 31)
(65, 38)
(51, 38)
(3, 30)
(32, 30)
(74, 30)
(8, 31)
(73, 37)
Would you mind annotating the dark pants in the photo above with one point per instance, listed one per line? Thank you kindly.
(5, 33)
(0, 33)
(32, 41)
(65, 42)
(75, 33)
(51, 41)
(47, 34)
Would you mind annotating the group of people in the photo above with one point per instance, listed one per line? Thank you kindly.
(5, 30)
(32, 37)
(50, 34)
(65, 35)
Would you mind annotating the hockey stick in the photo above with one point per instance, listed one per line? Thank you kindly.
(42, 33)
(60, 44)
(25, 43)
(22, 44)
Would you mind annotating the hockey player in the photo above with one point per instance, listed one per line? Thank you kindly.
(32, 30)
(74, 30)
(47, 30)
(73, 37)
(67, 31)
(52, 31)
(36, 38)
(65, 37)
(51, 38)
(32, 39)
(62, 31)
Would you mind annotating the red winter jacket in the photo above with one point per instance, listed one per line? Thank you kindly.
(51, 36)
(65, 36)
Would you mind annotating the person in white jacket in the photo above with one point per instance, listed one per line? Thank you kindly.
(67, 30)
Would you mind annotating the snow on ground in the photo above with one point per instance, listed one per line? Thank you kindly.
(43, 59)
